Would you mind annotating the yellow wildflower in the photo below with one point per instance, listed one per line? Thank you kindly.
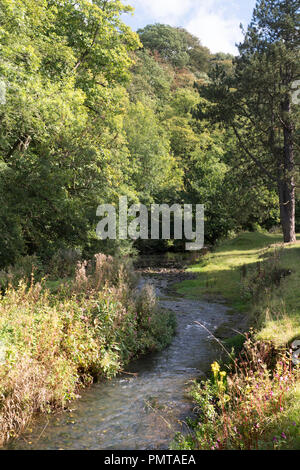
(215, 367)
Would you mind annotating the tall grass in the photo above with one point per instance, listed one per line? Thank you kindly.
(55, 343)
(246, 409)
(257, 275)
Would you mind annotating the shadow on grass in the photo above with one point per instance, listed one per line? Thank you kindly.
(250, 241)
(221, 272)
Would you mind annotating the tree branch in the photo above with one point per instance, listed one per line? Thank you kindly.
(87, 51)
(254, 159)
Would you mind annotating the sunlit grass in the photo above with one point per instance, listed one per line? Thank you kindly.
(275, 312)
(219, 271)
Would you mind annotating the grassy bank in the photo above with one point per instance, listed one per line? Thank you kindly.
(234, 271)
(255, 403)
(58, 340)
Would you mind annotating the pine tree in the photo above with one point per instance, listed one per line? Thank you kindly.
(257, 101)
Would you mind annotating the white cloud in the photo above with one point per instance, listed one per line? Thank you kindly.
(213, 21)
(169, 11)
(216, 31)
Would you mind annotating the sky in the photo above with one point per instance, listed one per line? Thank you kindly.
(215, 22)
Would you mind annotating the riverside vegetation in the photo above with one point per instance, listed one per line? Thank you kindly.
(59, 336)
(253, 400)
(91, 111)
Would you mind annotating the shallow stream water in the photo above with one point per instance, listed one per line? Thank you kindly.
(142, 411)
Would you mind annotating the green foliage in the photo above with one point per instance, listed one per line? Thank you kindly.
(62, 148)
(54, 343)
(155, 171)
(255, 101)
(86, 117)
(175, 45)
(251, 408)
(150, 79)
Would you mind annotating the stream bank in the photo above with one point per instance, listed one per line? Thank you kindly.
(146, 406)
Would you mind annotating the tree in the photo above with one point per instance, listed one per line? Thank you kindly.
(223, 60)
(176, 46)
(150, 79)
(62, 143)
(256, 102)
(155, 173)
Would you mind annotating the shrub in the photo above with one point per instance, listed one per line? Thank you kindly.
(27, 268)
(63, 263)
(55, 343)
(242, 410)
(259, 279)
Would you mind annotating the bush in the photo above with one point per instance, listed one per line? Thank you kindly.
(54, 343)
(243, 410)
(63, 263)
(260, 279)
(27, 268)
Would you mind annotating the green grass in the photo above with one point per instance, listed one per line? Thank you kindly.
(249, 260)
(220, 276)
(219, 271)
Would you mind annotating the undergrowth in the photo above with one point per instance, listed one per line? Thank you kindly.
(255, 405)
(54, 342)
(245, 407)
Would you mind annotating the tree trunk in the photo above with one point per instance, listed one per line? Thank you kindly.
(286, 183)
(287, 210)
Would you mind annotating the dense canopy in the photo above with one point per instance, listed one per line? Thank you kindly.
(90, 110)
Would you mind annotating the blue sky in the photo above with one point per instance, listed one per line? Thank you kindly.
(215, 22)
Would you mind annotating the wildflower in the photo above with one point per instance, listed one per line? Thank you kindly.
(275, 439)
(226, 398)
(283, 435)
(215, 367)
(221, 385)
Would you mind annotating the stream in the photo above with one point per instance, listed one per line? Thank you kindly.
(144, 410)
